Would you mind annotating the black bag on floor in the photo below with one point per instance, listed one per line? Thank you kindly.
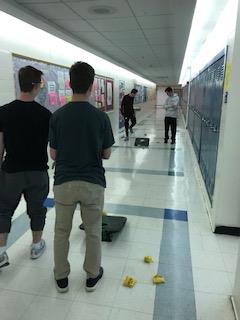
(110, 225)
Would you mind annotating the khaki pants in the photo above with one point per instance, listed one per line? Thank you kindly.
(91, 198)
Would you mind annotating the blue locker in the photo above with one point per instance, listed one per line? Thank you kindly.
(206, 105)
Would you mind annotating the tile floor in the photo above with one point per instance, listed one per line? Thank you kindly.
(156, 189)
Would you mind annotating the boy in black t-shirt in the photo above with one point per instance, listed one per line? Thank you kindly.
(80, 137)
(24, 126)
(128, 112)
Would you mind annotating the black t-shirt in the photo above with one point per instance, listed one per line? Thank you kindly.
(25, 127)
(127, 105)
(80, 132)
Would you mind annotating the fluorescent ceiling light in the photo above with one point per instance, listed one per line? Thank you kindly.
(211, 27)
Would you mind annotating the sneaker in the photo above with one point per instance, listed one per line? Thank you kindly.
(131, 130)
(38, 249)
(165, 140)
(4, 260)
(173, 142)
(126, 139)
(91, 283)
(62, 285)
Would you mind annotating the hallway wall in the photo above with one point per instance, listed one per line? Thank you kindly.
(40, 45)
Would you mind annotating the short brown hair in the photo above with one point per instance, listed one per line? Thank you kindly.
(81, 77)
(134, 91)
(29, 76)
(168, 89)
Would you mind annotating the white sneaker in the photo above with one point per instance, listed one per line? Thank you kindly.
(4, 260)
(37, 249)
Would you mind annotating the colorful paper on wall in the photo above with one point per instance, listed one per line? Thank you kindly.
(53, 100)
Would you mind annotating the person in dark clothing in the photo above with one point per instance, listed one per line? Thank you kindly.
(128, 112)
(24, 126)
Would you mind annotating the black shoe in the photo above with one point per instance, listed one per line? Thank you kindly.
(91, 283)
(165, 140)
(173, 142)
(4, 260)
(62, 285)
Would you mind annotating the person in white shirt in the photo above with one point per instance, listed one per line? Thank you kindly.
(171, 113)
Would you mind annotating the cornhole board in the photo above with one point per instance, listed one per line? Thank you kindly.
(141, 142)
(110, 225)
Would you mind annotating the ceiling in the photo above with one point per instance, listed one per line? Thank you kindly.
(148, 37)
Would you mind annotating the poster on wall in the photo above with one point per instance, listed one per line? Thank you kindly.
(121, 95)
(98, 93)
(102, 93)
(56, 91)
(141, 95)
(109, 92)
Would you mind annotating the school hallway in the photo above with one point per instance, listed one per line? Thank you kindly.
(158, 190)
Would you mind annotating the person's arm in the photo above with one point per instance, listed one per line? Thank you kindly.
(108, 139)
(52, 139)
(106, 153)
(122, 105)
(53, 154)
(2, 148)
(175, 102)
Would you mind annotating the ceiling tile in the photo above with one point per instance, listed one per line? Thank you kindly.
(131, 35)
(52, 11)
(73, 24)
(93, 38)
(117, 24)
(161, 33)
(84, 9)
(151, 7)
(36, 1)
(154, 22)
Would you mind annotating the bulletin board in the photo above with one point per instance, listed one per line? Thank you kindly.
(102, 93)
(141, 95)
(121, 95)
(57, 91)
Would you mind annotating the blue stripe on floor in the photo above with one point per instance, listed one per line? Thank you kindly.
(141, 211)
(19, 226)
(175, 299)
(150, 147)
(145, 171)
(175, 215)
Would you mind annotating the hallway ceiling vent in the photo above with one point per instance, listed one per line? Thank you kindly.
(102, 10)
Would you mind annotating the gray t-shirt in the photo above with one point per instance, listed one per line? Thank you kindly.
(80, 132)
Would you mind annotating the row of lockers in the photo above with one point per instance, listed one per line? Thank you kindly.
(204, 116)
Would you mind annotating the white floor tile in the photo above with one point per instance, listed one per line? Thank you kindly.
(208, 260)
(47, 309)
(230, 261)
(213, 306)
(14, 304)
(122, 314)
(88, 311)
(211, 281)
(140, 298)
(104, 295)
(140, 250)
